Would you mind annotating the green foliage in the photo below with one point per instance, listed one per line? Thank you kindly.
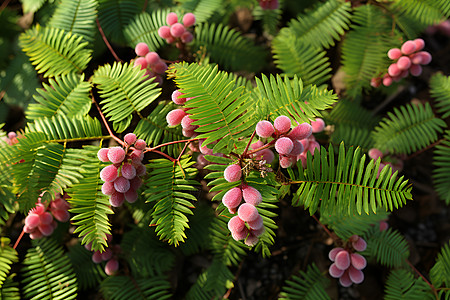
(202, 9)
(55, 52)
(440, 90)
(348, 185)
(401, 284)
(440, 272)
(89, 274)
(47, 272)
(228, 47)
(67, 95)
(124, 91)
(408, 129)
(144, 28)
(306, 285)
(441, 172)
(270, 18)
(77, 17)
(168, 185)
(427, 12)
(8, 256)
(126, 287)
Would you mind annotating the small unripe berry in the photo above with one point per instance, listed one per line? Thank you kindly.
(420, 44)
(247, 212)
(102, 154)
(175, 116)
(333, 252)
(232, 198)
(140, 169)
(131, 195)
(358, 261)
(284, 145)
(171, 18)
(251, 240)
(360, 245)
(97, 257)
(301, 131)
(403, 63)
(313, 145)
(240, 235)
(141, 62)
(177, 30)
(342, 260)
(135, 183)
(128, 171)
(383, 225)
(186, 37)
(130, 138)
(46, 229)
(186, 123)
(116, 199)
(318, 125)
(256, 224)
(189, 19)
(61, 215)
(264, 129)
(415, 70)
(164, 32)
(140, 144)
(374, 153)
(116, 155)
(285, 161)
(46, 218)
(160, 67)
(251, 195)
(111, 267)
(345, 280)
(235, 224)
(152, 58)
(387, 81)
(282, 124)
(426, 57)
(394, 53)
(334, 271)
(108, 173)
(232, 173)
(121, 184)
(393, 70)
(357, 276)
(141, 49)
(177, 99)
(39, 209)
(408, 47)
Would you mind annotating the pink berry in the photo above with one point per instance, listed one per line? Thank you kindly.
(383, 225)
(232, 198)
(282, 124)
(160, 67)
(204, 149)
(251, 195)
(257, 144)
(141, 62)
(240, 235)
(374, 153)
(186, 123)
(131, 196)
(116, 199)
(403, 63)
(235, 224)
(408, 47)
(39, 209)
(186, 37)
(140, 144)
(232, 173)
(108, 173)
(107, 254)
(394, 53)
(111, 267)
(46, 229)
(415, 70)
(189, 19)
(177, 99)
(360, 245)
(128, 171)
(188, 133)
(284, 145)
(177, 30)
(267, 155)
(256, 224)
(247, 212)
(36, 235)
(334, 271)
(88, 246)
(264, 129)
(345, 280)
(135, 183)
(420, 44)
(318, 125)
(301, 132)
(285, 161)
(258, 232)
(375, 82)
(171, 18)
(164, 32)
(152, 58)
(141, 49)
(353, 238)
(121, 184)
(12, 135)
(116, 155)
(175, 116)
(102, 154)
(251, 240)
(387, 81)
(32, 220)
(342, 260)
(393, 70)
(357, 276)
(97, 257)
(426, 57)
(333, 252)
(46, 218)
(313, 145)
(358, 261)
(61, 215)
(130, 138)
(170, 39)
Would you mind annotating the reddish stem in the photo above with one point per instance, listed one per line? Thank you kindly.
(423, 277)
(106, 41)
(248, 144)
(169, 143)
(165, 155)
(424, 149)
(261, 148)
(122, 143)
(325, 228)
(18, 239)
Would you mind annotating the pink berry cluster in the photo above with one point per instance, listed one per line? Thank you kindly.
(291, 144)
(11, 138)
(181, 116)
(375, 153)
(109, 255)
(177, 32)
(407, 60)
(348, 265)
(123, 177)
(268, 4)
(40, 219)
(150, 61)
(248, 224)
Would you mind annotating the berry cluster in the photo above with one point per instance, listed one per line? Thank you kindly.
(268, 4)
(109, 255)
(39, 221)
(150, 61)
(11, 138)
(347, 265)
(375, 153)
(180, 116)
(408, 60)
(123, 177)
(177, 32)
(291, 144)
(248, 224)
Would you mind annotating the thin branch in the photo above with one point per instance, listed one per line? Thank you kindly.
(122, 143)
(332, 236)
(423, 277)
(424, 149)
(106, 41)
(18, 239)
(261, 148)
(4, 5)
(169, 143)
(248, 144)
(165, 155)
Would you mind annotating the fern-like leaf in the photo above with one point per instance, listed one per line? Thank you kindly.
(408, 129)
(89, 274)
(440, 272)
(309, 285)
(55, 52)
(8, 256)
(428, 12)
(401, 284)
(144, 28)
(168, 185)
(47, 272)
(202, 9)
(222, 111)
(324, 24)
(441, 172)
(347, 185)
(270, 18)
(10, 289)
(124, 91)
(126, 287)
(77, 17)
(67, 95)
(228, 47)
(440, 90)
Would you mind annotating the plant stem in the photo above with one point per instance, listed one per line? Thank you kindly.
(424, 149)
(248, 144)
(106, 41)
(169, 143)
(423, 277)
(18, 239)
(325, 228)
(122, 143)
